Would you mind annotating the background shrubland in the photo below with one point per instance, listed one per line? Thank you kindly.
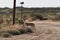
(30, 14)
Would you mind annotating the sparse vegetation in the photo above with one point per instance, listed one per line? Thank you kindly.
(28, 14)
(14, 32)
(37, 16)
(5, 34)
(21, 21)
(1, 21)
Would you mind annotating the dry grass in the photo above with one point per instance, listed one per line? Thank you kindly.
(42, 33)
(11, 27)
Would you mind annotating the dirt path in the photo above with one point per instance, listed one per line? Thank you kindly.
(46, 30)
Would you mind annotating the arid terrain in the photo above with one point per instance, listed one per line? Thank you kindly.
(45, 30)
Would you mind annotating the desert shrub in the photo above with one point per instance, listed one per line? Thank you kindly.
(37, 16)
(1, 32)
(16, 18)
(5, 34)
(33, 18)
(1, 21)
(22, 31)
(55, 17)
(0, 27)
(21, 21)
(14, 32)
(25, 17)
(45, 18)
(8, 33)
(7, 16)
(7, 21)
(26, 30)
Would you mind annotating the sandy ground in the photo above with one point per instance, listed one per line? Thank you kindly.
(45, 30)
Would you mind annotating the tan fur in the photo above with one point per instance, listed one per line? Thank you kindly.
(30, 24)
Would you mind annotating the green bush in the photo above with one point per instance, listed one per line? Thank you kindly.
(2, 32)
(24, 17)
(23, 31)
(26, 30)
(14, 32)
(0, 27)
(7, 21)
(55, 17)
(45, 18)
(21, 21)
(37, 16)
(1, 21)
(5, 34)
(16, 18)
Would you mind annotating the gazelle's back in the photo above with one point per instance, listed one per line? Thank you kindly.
(30, 24)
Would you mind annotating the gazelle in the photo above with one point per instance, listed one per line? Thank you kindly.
(30, 26)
